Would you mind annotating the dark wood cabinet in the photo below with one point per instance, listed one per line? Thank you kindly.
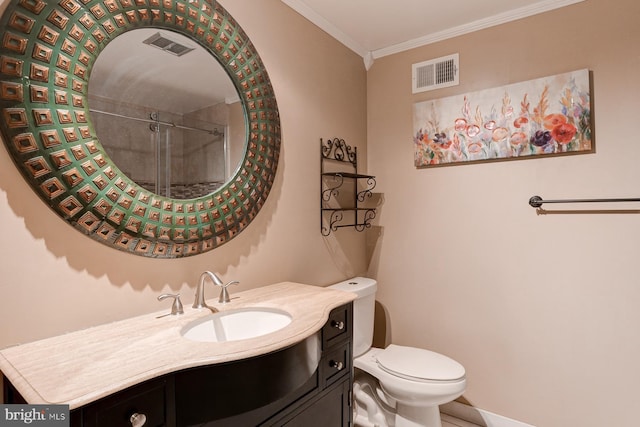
(330, 408)
(276, 389)
(151, 400)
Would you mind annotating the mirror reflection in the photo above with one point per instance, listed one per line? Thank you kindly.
(166, 113)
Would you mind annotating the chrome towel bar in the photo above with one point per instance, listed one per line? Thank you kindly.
(537, 201)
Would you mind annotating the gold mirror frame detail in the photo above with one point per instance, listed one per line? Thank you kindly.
(46, 56)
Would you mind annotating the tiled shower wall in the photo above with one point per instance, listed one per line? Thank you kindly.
(197, 163)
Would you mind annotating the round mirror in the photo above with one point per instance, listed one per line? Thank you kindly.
(47, 58)
(174, 136)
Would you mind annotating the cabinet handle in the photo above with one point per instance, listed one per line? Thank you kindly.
(138, 420)
(338, 365)
(338, 324)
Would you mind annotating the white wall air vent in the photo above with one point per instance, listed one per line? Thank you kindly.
(164, 43)
(435, 73)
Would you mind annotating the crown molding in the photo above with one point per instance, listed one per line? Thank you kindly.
(481, 24)
(301, 7)
(370, 56)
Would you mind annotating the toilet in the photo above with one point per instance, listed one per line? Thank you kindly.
(396, 386)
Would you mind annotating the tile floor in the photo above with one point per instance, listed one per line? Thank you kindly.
(449, 421)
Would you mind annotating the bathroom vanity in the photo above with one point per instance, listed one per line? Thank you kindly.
(144, 369)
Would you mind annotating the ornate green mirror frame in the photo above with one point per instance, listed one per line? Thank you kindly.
(47, 53)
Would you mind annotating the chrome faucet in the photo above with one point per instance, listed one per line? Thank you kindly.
(176, 307)
(224, 293)
(199, 301)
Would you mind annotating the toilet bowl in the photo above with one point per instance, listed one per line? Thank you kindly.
(414, 382)
(398, 385)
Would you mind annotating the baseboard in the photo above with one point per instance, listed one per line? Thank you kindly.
(479, 416)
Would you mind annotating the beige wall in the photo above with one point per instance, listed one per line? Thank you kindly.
(54, 279)
(543, 311)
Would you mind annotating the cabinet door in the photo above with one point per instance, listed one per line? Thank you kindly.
(330, 410)
(151, 401)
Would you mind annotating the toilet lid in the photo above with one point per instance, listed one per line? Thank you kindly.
(419, 364)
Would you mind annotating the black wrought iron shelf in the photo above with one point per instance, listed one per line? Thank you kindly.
(336, 150)
(347, 175)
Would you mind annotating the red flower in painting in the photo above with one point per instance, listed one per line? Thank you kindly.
(520, 121)
(473, 130)
(460, 125)
(499, 134)
(518, 138)
(474, 147)
(563, 133)
(553, 120)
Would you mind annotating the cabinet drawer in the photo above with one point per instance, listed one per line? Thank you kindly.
(338, 327)
(149, 400)
(335, 364)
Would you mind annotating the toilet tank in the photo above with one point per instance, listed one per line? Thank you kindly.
(363, 311)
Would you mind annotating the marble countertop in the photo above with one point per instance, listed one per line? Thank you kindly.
(83, 366)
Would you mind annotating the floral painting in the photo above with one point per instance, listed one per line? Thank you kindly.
(551, 115)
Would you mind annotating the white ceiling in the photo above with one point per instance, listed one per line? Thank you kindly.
(373, 28)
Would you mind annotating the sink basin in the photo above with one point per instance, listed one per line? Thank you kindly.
(233, 325)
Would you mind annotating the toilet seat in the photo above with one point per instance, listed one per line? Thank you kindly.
(404, 387)
(417, 364)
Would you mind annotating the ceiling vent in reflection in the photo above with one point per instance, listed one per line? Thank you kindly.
(436, 73)
(162, 42)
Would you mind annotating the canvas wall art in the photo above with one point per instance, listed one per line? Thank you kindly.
(546, 116)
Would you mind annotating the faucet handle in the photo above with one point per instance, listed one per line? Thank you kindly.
(224, 293)
(176, 307)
